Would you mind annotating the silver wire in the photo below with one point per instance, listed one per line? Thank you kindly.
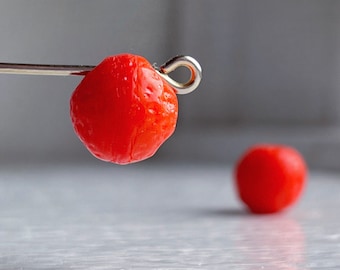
(36, 69)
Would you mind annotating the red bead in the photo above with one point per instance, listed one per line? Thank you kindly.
(123, 110)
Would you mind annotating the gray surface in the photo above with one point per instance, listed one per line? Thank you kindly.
(158, 217)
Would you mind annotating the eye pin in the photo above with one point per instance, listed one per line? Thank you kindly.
(67, 70)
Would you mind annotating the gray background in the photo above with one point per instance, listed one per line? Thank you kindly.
(271, 73)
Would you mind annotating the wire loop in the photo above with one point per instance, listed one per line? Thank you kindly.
(182, 61)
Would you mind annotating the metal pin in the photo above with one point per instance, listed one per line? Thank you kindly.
(67, 70)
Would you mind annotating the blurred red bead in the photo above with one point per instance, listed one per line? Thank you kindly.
(270, 177)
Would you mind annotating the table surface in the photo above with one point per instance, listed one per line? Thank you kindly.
(158, 217)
